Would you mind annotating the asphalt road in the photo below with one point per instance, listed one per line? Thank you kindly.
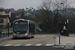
(31, 48)
(38, 40)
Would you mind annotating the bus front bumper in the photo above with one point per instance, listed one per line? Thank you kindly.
(21, 36)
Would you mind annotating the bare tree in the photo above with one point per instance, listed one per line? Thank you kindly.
(45, 15)
(45, 7)
(63, 6)
(60, 9)
(65, 11)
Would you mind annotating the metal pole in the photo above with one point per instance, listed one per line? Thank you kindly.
(59, 38)
(67, 26)
(26, 12)
(59, 32)
(8, 27)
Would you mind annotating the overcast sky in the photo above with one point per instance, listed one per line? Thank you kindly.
(17, 4)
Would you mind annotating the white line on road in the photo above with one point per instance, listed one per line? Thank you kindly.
(28, 44)
(38, 44)
(17, 44)
(48, 44)
(8, 45)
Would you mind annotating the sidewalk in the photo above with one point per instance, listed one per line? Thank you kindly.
(5, 38)
(64, 40)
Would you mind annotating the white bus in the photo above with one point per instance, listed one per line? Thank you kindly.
(23, 28)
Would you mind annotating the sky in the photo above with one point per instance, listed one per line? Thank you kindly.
(17, 4)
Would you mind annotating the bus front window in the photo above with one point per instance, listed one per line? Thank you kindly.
(20, 26)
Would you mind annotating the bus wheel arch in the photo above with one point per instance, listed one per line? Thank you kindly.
(32, 37)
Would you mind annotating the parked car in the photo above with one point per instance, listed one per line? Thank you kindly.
(10, 32)
(4, 32)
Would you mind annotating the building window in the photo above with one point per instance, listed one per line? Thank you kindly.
(1, 20)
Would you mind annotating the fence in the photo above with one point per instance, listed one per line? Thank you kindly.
(5, 33)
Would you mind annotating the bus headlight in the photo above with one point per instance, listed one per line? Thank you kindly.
(26, 34)
(14, 34)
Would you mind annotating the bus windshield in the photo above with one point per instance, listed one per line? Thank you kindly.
(20, 26)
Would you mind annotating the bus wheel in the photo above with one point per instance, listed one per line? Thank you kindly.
(32, 37)
(14, 37)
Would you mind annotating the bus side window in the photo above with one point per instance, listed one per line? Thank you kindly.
(32, 27)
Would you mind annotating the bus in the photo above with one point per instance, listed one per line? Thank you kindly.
(23, 28)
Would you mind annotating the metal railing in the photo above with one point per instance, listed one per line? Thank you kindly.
(2, 35)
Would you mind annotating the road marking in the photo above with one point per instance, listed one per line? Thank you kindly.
(38, 44)
(17, 44)
(28, 44)
(48, 44)
(8, 45)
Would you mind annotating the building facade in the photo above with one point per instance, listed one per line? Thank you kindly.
(4, 16)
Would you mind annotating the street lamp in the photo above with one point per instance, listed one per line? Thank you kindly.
(59, 24)
(27, 11)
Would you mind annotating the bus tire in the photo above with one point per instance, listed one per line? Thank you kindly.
(32, 37)
(14, 37)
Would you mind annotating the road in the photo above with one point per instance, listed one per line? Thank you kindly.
(38, 40)
(31, 48)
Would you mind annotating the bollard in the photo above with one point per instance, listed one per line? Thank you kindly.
(54, 40)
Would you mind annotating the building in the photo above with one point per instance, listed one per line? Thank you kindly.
(4, 15)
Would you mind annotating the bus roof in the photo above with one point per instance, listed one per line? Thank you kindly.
(23, 20)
